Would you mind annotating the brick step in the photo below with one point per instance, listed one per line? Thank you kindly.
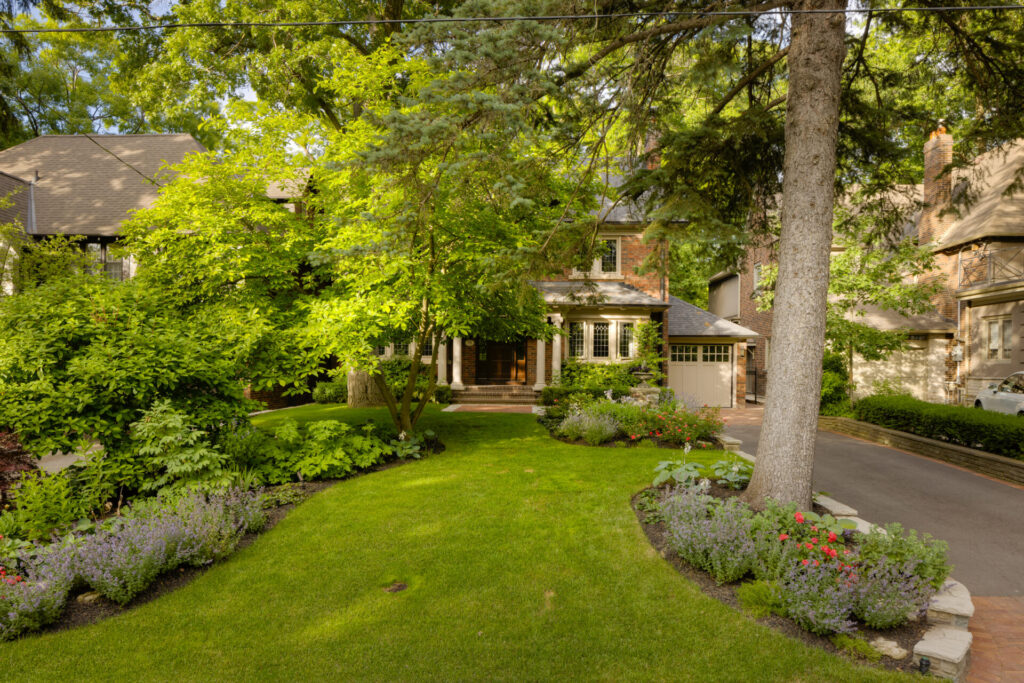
(495, 400)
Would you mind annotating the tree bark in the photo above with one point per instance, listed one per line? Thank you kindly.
(363, 391)
(785, 454)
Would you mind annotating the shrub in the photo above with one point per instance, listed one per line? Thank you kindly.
(34, 599)
(599, 377)
(889, 591)
(926, 555)
(443, 394)
(595, 429)
(560, 393)
(760, 598)
(835, 386)
(44, 502)
(719, 543)
(989, 431)
(818, 596)
(331, 391)
(177, 454)
(122, 562)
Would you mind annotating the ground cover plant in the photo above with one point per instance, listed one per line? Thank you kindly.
(827, 578)
(597, 420)
(983, 429)
(515, 549)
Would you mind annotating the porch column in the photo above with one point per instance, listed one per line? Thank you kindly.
(442, 363)
(457, 364)
(540, 366)
(556, 349)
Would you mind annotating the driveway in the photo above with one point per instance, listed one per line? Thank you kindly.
(981, 519)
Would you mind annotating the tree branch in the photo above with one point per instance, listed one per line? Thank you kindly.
(750, 77)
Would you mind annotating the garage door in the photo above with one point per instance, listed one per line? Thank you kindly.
(702, 372)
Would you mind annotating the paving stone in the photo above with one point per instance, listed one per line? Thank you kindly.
(89, 598)
(862, 525)
(730, 443)
(746, 456)
(948, 649)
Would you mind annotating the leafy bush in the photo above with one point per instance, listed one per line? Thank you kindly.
(560, 393)
(760, 598)
(599, 377)
(595, 429)
(43, 502)
(177, 454)
(835, 386)
(331, 391)
(713, 537)
(989, 431)
(443, 394)
(925, 555)
(818, 596)
(890, 591)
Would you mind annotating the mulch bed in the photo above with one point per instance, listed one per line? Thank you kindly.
(13, 461)
(657, 533)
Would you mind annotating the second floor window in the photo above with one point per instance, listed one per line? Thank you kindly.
(608, 264)
(610, 258)
(1000, 339)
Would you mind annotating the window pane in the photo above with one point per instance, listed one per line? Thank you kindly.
(610, 260)
(428, 348)
(625, 339)
(600, 340)
(576, 340)
(685, 353)
(993, 340)
(114, 269)
(717, 353)
(1007, 338)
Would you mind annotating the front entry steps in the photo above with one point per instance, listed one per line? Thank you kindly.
(496, 393)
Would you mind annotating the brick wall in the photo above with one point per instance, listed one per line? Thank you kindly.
(740, 350)
(634, 252)
(750, 317)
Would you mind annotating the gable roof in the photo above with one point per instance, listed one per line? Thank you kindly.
(88, 184)
(992, 215)
(687, 320)
(579, 293)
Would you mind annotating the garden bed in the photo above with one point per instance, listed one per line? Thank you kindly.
(855, 645)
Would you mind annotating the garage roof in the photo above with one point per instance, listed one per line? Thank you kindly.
(687, 320)
(578, 293)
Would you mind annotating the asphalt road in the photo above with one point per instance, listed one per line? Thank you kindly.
(981, 519)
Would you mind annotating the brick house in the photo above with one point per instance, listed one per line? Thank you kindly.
(973, 336)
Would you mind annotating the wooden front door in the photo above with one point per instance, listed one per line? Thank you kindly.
(501, 362)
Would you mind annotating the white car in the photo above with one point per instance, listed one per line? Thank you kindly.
(1005, 397)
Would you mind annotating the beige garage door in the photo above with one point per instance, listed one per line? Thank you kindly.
(702, 372)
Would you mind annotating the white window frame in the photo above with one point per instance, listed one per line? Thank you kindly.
(1003, 325)
(595, 272)
(758, 270)
(614, 323)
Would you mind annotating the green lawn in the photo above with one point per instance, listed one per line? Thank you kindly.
(523, 561)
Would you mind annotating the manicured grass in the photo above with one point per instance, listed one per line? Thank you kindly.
(522, 557)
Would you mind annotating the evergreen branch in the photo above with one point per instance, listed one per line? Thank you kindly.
(746, 80)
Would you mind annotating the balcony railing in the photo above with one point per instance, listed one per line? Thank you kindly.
(991, 267)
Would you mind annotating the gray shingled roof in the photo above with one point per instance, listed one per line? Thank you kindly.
(687, 320)
(615, 210)
(993, 214)
(578, 293)
(888, 320)
(88, 184)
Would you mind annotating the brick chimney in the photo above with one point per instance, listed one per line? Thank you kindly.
(938, 186)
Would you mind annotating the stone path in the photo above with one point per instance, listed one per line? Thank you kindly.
(979, 517)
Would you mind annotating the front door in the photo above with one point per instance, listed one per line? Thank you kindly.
(501, 362)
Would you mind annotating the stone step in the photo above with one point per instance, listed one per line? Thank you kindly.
(951, 606)
(518, 400)
(948, 651)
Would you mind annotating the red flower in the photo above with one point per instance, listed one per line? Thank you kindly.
(832, 537)
(815, 563)
(846, 552)
(809, 545)
(806, 562)
(783, 537)
(814, 539)
(798, 517)
(814, 528)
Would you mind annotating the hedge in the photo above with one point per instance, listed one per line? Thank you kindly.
(982, 429)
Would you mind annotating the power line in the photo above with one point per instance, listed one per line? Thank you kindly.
(463, 20)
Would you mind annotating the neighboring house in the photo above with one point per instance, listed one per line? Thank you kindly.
(973, 336)
(87, 185)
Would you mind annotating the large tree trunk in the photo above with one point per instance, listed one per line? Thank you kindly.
(785, 454)
(363, 391)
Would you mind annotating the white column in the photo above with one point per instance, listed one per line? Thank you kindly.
(613, 340)
(556, 349)
(540, 366)
(457, 365)
(442, 364)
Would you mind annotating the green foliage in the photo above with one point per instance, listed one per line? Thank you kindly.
(760, 598)
(555, 394)
(677, 471)
(835, 386)
(42, 503)
(84, 356)
(733, 474)
(889, 387)
(989, 431)
(855, 645)
(650, 346)
(901, 547)
(597, 378)
(176, 454)
(334, 390)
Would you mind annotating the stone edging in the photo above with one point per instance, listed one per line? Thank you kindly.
(989, 464)
(946, 645)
